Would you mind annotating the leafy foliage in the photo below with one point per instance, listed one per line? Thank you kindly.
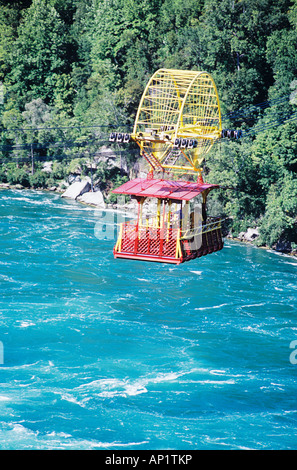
(69, 64)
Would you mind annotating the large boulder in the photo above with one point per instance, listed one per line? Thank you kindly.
(282, 246)
(93, 198)
(251, 234)
(77, 189)
(47, 167)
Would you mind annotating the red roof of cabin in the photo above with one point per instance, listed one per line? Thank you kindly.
(182, 190)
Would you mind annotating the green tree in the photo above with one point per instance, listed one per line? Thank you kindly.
(40, 51)
(242, 199)
(179, 40)
(8, 33)
(280, 219)
(281, 54)
(233, 36)
(124, 44)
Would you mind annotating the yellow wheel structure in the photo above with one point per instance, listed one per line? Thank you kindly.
(178, 120)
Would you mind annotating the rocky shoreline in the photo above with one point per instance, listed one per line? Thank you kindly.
(81, 192)
(251, 236)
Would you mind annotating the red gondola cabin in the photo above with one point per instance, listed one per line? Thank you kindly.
(177, 232)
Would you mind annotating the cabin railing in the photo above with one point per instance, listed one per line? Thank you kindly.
(168, 244)
(148, 240)
(212, 223)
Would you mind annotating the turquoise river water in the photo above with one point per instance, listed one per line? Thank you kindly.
(97, 353)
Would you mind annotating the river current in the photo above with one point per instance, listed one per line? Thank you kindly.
(97, 353)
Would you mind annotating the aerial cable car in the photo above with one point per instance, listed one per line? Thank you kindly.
(177, 122)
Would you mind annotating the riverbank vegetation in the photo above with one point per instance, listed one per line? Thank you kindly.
(72, 70)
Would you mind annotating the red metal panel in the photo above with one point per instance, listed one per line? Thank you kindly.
(162, 189)
(131, 187)
(155, 244)
(158, 259)
(135, 187)
(182, 190)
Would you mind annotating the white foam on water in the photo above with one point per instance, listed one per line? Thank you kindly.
(71, 399)
(21, 430)
(217, 372)
(87, 444)
(25, 324)
(5, 278)
(211, 307)
(3, 398)
(21, 437)
(110, 388)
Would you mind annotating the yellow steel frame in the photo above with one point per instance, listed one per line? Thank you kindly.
(178, 104)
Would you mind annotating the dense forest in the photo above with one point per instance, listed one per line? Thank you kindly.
(72, 69)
